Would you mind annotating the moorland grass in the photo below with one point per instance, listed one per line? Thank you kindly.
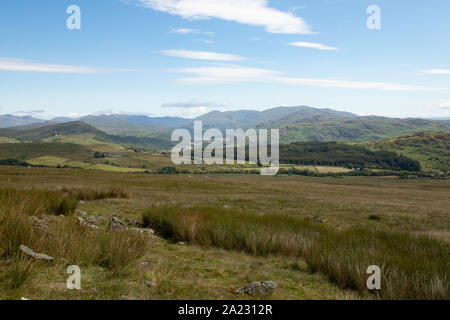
(37, 202)
(87, 194)
(413, 266)
(68, 241)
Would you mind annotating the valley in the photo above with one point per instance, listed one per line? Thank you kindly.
(339, 203)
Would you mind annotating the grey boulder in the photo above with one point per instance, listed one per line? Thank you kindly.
(261, 288)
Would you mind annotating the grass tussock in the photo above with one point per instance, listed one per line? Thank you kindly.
(19, 273)
(119, 251)
(37, 202)
(413, 267)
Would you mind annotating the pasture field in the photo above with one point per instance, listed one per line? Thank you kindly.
(188, 265)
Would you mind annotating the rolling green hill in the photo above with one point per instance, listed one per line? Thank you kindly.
(359, 129)
(60, 129)
(431, 149)
(26, 151)
(82, 133)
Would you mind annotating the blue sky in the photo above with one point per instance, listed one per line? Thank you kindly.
(188, 57)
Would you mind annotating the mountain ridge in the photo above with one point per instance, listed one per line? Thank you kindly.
(301, 123)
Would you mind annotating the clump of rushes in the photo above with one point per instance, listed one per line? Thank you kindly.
(118, 251)
(413, 267)
(19, 272)
(37, 202)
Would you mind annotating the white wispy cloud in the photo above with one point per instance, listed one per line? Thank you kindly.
(202, 55)
(436, 71)
(19, 65)
(238, 74)
(191, 31)
(251, 12)
(313, 45)
(192, 104)
(445, 106)
(31, 112)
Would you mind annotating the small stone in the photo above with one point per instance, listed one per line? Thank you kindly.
(41, 224)
(81, 213)
(37, 256)
(262, 288)
(57, 286)
(116, 225)
(144, 265)
(92, 220)
(81, 202)
(89, 290)
(151, 284)
(101, 219)
(132, 222)
(146, 231)
(86, 224)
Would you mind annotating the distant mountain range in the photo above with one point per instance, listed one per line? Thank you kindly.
(9, 120)
(78, 130)
(300, 123)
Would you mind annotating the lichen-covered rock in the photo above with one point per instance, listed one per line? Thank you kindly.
(92, 220)
(262, 288)
(41, 224)
(146, 231)
(37, 256)
(86, 224)
(116, 225)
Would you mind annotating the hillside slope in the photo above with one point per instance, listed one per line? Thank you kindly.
(431, 149)
(359, 129)
(83, 133)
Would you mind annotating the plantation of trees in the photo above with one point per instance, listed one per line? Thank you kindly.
(342, 154)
